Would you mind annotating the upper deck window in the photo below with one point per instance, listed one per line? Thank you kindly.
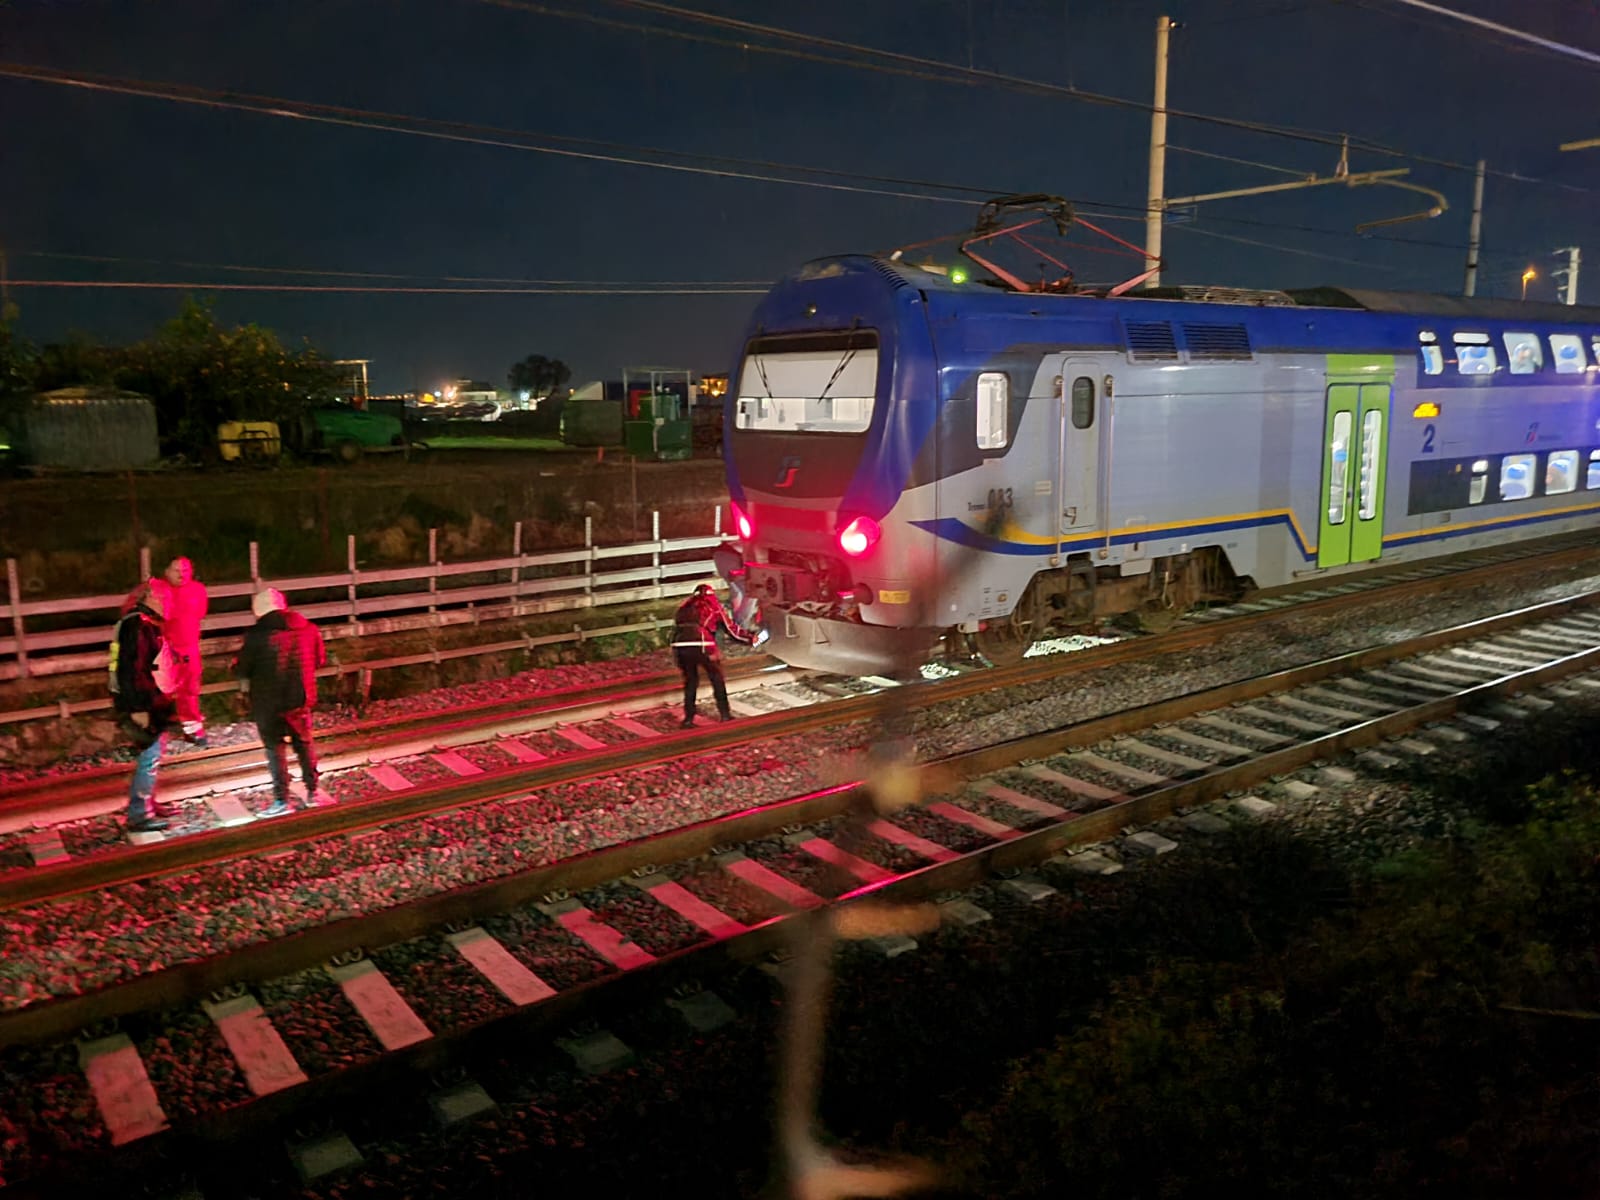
(1474, 354)
(1523, 353)
(1432, 356)
(813, 384)
(1567, 350)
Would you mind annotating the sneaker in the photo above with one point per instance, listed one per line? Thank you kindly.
(686, 723)
(727, 716)
(147, 825)
(276, 809)
(321, 798)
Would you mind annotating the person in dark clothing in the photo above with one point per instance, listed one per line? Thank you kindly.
(147, 713)
(277, 671)
(694, 645)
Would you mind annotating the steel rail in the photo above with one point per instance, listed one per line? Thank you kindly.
(612, 992)
(306, 948)
(188, 776)
(131, 863)
(199, 772)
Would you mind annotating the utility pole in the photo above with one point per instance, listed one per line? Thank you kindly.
(1570, 271)
(1476, 236)
(1155, 205)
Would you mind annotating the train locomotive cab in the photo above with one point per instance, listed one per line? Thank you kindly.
(819, 434)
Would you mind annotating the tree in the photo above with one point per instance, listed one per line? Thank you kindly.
(539, 376)
(199, 374)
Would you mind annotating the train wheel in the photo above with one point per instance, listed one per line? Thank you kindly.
(1004, 641)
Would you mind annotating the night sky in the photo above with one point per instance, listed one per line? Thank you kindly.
(157, 184)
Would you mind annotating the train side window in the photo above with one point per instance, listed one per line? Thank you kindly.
(1474, 354)
(1560, 472)
(1432, 356)
(1567, 350)
(1367, 479)
(1516, 476)
(1592, 479)
(1338, 465)
(1082, 402)
(1523, 353)
(994, 395)
(1480, 481)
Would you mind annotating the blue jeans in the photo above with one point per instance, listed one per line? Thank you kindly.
(143, 789)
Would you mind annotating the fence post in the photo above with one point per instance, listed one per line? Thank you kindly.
(17, 631)
(433, 570)
(588, 565)
(716, 530)
(655, 549)
(144, 563)
(255, 565)
(350, 556)
(516, 567)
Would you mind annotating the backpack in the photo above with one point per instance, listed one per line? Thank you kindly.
(114, 656)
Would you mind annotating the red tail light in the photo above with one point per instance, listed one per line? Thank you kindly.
(861, 535)
(741, 523)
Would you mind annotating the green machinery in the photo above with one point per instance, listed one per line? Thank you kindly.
(659, 426)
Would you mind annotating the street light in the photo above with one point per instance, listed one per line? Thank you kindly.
(1530, 273)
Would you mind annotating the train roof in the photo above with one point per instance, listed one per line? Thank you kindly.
(1414, 304)
(1432, 304)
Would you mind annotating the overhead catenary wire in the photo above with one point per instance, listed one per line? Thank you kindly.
(367, 289)
(940, 71)
(449, 131)
(345, 274)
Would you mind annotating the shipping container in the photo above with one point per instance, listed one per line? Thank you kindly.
(88, 429)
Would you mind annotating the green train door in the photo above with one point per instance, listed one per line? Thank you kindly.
(1354, 462)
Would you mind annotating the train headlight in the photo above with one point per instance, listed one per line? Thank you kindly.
(742, 524)
(861, 535)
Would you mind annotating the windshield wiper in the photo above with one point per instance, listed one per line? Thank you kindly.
(837, 371)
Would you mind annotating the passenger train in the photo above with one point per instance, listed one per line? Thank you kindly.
(912, 456)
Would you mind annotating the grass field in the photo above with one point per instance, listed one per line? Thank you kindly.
(494, 443)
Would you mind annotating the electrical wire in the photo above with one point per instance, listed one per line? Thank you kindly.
(1229, 237)
(1501, 35)
(340, 274)
(449, 131)
(1243, 162)
(940, 71)
(359, 289)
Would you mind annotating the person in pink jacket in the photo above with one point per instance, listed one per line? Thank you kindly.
(185, 610)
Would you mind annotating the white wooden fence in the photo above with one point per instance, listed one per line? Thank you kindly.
(444, 594)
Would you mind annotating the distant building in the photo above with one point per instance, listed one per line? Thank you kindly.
(712, 387)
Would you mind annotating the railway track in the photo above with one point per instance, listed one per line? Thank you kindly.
(59, 837)
(587, 933)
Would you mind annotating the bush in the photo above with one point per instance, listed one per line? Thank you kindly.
(1424, 1043)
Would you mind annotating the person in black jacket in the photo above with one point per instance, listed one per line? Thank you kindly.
(694, 645)
(277, 671)
(147, 713)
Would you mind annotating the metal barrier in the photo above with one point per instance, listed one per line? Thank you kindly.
(562, 581)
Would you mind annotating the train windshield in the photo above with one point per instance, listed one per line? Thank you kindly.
(818, 383)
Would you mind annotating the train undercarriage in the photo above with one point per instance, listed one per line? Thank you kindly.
(1075, 597)
(814, 619)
